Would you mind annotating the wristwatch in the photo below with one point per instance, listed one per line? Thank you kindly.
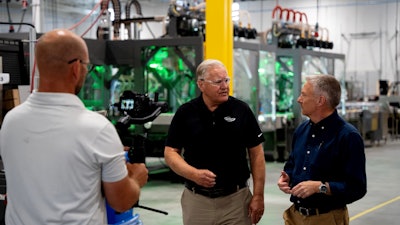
(323, 188)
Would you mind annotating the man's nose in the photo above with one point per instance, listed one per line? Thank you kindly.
(299, 99)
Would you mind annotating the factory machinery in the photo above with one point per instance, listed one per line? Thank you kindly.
(164, 65)
(291, 29)
(269, 67)
(269, 70)
(269, 73)
(160, 68)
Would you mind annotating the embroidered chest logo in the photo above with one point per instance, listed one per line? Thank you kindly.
(229, 119)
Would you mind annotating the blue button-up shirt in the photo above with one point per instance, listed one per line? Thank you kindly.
(332, 151)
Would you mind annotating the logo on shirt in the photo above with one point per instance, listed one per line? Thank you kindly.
(229, 119)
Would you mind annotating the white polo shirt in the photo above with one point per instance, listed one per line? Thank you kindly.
(55, 154)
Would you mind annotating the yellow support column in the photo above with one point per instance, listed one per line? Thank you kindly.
(219, 34)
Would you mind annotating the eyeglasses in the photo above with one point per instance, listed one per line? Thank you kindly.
(217, 83)
(89, 65)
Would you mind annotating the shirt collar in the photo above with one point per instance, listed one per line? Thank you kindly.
(55, 99)
(329, 122)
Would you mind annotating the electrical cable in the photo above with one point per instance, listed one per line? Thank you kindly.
(11, 30)
(91, 25)
(24, 7)
(316, 24)
(86, 17)
(148, 28)
(117, 17)
(27, 24)
(22, 20)
(274, 10)
(73, 27)
(128, 8)
(138, 8)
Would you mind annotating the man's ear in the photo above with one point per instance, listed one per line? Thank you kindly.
(200, 85)
(76, 70)
(321, 100)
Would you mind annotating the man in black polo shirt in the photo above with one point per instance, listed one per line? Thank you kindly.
(216, 132)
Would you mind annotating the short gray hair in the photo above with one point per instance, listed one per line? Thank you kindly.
(203, 67)
(328, 86)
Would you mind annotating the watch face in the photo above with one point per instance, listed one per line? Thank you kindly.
(323, 189)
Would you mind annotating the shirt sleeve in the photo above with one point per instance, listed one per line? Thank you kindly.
(253, 130)
(110, 154)
(289, 165)
(174, 137)
(354, 186)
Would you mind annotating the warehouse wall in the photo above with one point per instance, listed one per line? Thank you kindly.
(365, 31)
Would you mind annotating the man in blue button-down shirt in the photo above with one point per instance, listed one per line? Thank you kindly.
(326, 168)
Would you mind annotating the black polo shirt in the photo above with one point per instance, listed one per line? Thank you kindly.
(217, 140)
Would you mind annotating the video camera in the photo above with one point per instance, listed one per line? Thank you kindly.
(137, 109)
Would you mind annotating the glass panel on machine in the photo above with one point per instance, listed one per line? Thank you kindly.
(168, 73)
(284, 85)
(266, 93)
(165, 72)
(245, 77)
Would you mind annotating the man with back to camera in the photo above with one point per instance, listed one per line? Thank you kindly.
(60, 159)
(326, 168)
(215, 132)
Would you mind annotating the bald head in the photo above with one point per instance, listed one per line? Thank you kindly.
(54, 50)
(59, 46)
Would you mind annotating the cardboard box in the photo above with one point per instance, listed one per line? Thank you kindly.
(10, 99)
(11, 94)
(9, 104)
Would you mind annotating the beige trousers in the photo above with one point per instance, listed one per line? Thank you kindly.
(200, 210)
(335, 217)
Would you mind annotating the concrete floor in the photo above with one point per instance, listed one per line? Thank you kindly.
(381, 205)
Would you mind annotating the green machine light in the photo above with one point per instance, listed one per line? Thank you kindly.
(93, 93)
(167, 74)
(284, 85)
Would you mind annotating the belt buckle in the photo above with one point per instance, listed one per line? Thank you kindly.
(304, 211)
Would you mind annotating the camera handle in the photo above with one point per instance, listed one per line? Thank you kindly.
(150, 117)
(151, 209)
(137, 205)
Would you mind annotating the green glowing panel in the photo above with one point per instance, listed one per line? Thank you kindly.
(245, 77)
(266, 78)
(93, 93)
(284, 84)
(167, 73)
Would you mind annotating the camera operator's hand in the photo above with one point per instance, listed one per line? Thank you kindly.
(138, 172)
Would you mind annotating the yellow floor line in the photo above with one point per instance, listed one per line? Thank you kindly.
(374, 208)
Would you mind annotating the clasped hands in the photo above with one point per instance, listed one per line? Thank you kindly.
(302, 190)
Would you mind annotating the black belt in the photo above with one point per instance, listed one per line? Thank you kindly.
(310, 211)
(214, 192)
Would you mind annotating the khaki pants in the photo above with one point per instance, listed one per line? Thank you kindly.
(200, 210)
(335, 217)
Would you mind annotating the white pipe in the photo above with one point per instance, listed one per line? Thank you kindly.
(36, 15)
